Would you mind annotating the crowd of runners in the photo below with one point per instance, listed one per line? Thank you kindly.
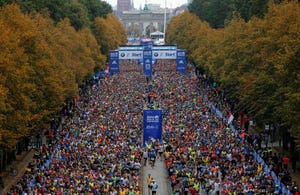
(98, 147)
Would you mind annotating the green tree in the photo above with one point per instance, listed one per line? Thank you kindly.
(96, 8)
(249, 8)
(78, 15)
(219, 12)
(215, 12)
(256, 61)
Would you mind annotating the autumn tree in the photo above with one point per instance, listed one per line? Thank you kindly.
(187, 31)
(16, 40)
(109, 33)
(42, 65)
(256, 63)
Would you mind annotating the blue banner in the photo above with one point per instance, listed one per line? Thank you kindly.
(147, 45)
(130, 48)
(154, 61)
(164, 47)
(114, 61)
(152, 125)
(181, 61)
(147, 62)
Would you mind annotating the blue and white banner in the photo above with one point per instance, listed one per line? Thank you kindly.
(164, 54)
(181, 61)
(147, 45)
(137, 54)
(114, 61)
(147, 63)
(164, 47)
(130, 48)
(152, 125)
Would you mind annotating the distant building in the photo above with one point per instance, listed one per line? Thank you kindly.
(124, 5)
(180, 9)
(154, 7)
(149, 21)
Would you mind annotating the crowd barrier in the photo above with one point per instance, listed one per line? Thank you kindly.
(49, 160)
(280, 187)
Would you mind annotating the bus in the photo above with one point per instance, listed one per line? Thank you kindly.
(158, 38)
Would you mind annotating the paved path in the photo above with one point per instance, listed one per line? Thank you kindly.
(159, 173)
(21, 162)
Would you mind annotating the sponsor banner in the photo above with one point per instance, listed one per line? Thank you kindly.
(114, 61)
(138, 54)
(181, 61)
(164, 54)
(147, 62)
(170, 47)
(131, 48)
(152, 125)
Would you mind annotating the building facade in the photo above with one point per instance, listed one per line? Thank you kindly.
(148, 21)
(124, 5)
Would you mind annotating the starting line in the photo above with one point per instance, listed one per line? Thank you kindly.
(147, 53)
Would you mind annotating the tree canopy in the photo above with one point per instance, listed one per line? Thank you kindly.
(219, 12)
(256, 62)
(109, 33)
(81, 13)
(42, 64)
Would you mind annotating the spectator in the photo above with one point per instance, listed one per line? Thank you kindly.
(285, 162)
(1, 182)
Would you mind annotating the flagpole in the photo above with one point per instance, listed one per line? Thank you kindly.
(165, 17)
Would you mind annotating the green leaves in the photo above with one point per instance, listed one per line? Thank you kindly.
(219, 12)
(81, 13)
(256, 61)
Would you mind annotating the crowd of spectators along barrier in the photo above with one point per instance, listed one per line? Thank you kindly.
(272, 164)
(96, 152)
(281, 188)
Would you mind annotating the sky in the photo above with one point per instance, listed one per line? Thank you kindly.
(138, 3)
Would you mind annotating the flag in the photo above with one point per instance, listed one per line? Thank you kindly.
(230, 118)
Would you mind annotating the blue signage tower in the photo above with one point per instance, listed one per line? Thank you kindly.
(181, 61)
(147, 62)
(152, 125)
(114, 61)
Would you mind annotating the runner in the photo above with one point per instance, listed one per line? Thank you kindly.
(145, 156)
(152, 157)
(154, 187)
(99, 147)
(149, 180)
